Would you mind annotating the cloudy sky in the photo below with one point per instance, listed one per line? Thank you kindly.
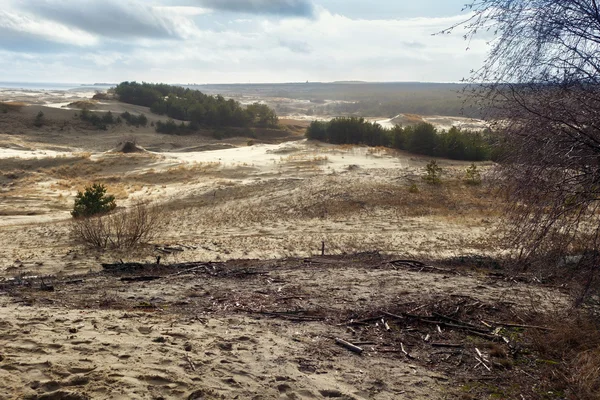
(212, 41)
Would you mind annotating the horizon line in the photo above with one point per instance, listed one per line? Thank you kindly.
(230, 83)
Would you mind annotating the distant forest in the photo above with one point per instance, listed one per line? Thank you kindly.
(361, 98)
(194, 106)
(423, 138)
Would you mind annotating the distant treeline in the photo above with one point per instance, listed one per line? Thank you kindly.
(362, 99)
(391, 107)
(194, 106)
(423, 138)
(103, 120)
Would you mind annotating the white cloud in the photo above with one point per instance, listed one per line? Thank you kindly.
(20, 24)
(296, 8)
(114, 18)
(324, 48)
(182, 11)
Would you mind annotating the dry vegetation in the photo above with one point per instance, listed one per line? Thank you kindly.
(137, 225)
(287, 302)
(84, 104)
(11, 106)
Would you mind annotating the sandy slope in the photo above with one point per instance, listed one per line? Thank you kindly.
(222, 200)
(260, 201)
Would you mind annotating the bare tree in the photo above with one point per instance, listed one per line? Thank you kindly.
(120, 230)
(539, 87)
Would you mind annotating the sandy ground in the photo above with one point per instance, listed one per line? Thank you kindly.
(223, 330)
(250, 330)
(262, 201)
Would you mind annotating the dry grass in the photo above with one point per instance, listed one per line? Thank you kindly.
(11, 106)
(412, 118)
(125, 229)
(380, 151)
(569, 355)
(179, 173)
(337, 198)
(304, 158)
(84, 104)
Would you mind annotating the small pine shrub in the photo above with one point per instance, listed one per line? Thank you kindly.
(93, 201)
(137, 121)
(413, 188)
(39, 119)
(472, 175)
(433, 173)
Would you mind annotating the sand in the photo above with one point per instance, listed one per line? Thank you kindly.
(273, 200)
(208, 332)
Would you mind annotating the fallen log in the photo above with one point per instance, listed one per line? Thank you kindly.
(349, 346)
(123, 266)
(509, 325)
(456, 321)
(139, 278)
(290, 316)
(451, 345)
(420, 266)
(410, 262)
(405, 352)
(487, 336)
(428, 320)
(363, 321)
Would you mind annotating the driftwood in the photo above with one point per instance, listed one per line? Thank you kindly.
(386, 326)
(457, 325)
(414, 263)
(190, 362)
(46, 288)
(139, 278)
(457, 322)
(428, 320)
(509, 325)
(393, 315)
(318, 261)
(482, 359)
(349, 346)
(420, 266)
(366, 320)
(404, 351)
(290, 316)
(451, 345)
(487, 336)
(133, 266)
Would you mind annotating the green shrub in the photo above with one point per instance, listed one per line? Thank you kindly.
(39, 119)
(93, 201)
(170, 127)
(219, 135)
(99, 121)
(413, 188)
(472, 175)
(135, 120)
(185, 104)
(433, 173)
(422, 138)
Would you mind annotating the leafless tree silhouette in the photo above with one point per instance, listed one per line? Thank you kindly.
(539, 87)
